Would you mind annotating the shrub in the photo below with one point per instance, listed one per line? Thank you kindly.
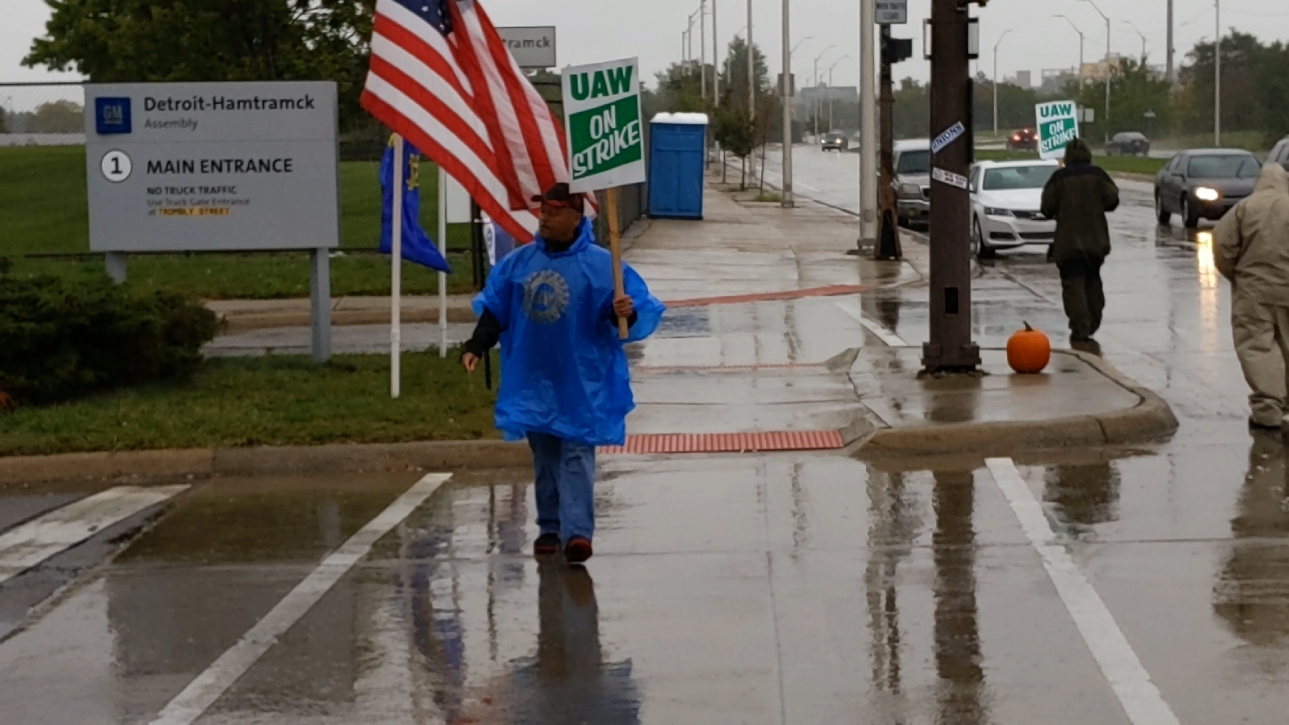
(60, 340)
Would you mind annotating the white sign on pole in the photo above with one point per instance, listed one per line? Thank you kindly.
(951, 134)
(1058, 125)
(602, 117)
(531, 47)
(892, 12)
(458, 203)
(950, 178)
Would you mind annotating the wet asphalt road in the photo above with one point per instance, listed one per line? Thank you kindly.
(792, 588)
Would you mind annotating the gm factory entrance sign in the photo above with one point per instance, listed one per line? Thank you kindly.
(216, 167)
(212, 166)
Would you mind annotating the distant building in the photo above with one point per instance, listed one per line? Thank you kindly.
(1055, 80)
(1099, 70)
(1024, 79)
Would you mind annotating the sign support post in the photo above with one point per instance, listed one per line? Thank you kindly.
(615, 246)
(443, 250)
(320, 303)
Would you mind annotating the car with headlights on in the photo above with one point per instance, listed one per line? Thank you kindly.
(835, 141)
(1204, 184)
(1025, 139)
(1006, 203)
(912, 163)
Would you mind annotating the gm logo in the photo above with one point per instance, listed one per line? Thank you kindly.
(112, 116)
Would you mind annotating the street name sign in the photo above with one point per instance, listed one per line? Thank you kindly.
(1058, 125)
(532, 47)
(892, 12)
(212, 166)
(602, 117)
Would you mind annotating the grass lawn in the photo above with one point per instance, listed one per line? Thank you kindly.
(1127, 164)
(266, 401)
(43, 211)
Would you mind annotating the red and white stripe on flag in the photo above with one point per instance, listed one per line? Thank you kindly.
(442, 77)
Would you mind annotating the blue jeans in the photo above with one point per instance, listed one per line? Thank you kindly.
(565, 479)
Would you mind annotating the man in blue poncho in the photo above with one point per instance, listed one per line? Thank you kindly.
(564, 379)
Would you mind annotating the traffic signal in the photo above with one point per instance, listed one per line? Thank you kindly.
(895, 50)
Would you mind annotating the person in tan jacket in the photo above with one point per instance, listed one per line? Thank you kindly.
(1252, 252)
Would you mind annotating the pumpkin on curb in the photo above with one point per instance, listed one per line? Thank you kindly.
(1029, 351)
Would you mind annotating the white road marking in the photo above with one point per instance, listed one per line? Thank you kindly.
(1138, 695)
(211, 684)
(887, 336)
(27, 545)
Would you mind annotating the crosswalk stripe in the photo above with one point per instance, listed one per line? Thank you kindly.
(211, 684)
(27, 545)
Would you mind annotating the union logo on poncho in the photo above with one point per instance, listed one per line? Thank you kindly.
(545, 297)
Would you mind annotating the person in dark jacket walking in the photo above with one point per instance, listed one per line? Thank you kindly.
(1078, 197)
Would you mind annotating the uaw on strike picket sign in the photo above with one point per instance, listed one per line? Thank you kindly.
(212, 166)
(1058, 125)
(602, 117)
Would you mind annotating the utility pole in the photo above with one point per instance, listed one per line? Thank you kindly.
(950, 348)
(786, 91)
(868, 125)
(1000, 42)
(1168, 63)
(1217, 76)
(888, 244)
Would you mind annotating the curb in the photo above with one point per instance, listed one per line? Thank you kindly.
(263, 460)
(1150, 420)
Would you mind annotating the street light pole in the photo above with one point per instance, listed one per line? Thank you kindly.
(751, 67)
(1168, 63)
(716, 67)
(1217, 76)
(868, 123)
(830, 94)
(1081, 39)
(1140, 35)
(815, 105)
(702, 47)
(1000, 42)
(1105, 124)
(787, 109)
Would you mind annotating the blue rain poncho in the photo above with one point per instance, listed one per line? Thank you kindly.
(563, 369)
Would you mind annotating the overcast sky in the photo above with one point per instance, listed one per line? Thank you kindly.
(607, 29)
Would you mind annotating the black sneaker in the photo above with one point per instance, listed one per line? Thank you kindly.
(546, 545)
(1255, 425)
(578, 550)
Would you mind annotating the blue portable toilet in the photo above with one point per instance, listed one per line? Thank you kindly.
(676, 165)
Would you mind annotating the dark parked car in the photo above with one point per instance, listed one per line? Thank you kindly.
(1128, 143)
(1026, 139)
(834, 142)
(1204, 184)
(1280, 154)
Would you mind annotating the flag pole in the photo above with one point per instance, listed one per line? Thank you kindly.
(443, 250)
(396, 271)
(615, 246)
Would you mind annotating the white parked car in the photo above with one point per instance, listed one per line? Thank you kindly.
(1006, 198)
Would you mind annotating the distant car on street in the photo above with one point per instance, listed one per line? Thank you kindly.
(912, 160)
(1204, 184)
(1025, 139)
(1006, 198)
(1280, 153)
(834, 141)
(1128, 143)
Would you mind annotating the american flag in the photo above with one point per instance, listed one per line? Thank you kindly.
(442, 77)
